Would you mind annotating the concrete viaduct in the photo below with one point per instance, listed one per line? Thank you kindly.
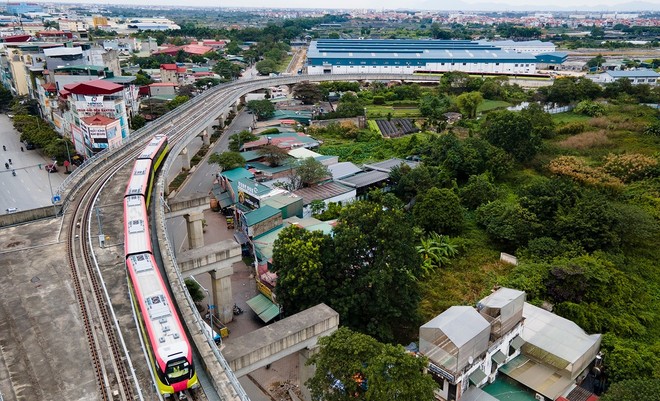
(295, 334)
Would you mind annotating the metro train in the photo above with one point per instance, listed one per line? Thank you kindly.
(168, 347)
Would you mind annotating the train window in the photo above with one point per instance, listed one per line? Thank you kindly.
(177, 368)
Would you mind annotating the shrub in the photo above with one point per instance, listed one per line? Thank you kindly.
(586, 140)
(573, 128)
(629, 167)
(577, 169)
(378, 100)
(652, 129)
(589, 108)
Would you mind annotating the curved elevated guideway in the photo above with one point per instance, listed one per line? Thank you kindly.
(182, 125)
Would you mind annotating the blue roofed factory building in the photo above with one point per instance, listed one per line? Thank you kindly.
(358, 56)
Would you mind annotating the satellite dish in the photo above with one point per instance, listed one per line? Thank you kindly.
(470, 360)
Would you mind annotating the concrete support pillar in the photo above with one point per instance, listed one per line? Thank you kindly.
(242, 100)
(234, 107)
(222, 296)
(195, 227)
(305, 371)
(206, 135)
(185, 159)
(221, 121)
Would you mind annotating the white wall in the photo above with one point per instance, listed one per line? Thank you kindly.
(500, 68)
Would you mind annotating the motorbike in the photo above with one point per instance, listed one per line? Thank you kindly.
(237, 310)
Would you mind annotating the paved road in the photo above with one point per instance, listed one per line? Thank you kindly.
(30, 188)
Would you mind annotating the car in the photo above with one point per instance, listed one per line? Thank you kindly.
(29, 145)
(12, 210)
(51, 167)
(10, 115)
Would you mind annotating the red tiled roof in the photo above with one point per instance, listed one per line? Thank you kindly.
(98, 120)
(168, 67)
(163, 84)
(190, 49)
(50, 86)
(202, 74)
(97, 87)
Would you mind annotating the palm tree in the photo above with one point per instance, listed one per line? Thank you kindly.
(436, 251)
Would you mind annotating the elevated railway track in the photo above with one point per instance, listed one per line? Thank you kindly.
(78, 192)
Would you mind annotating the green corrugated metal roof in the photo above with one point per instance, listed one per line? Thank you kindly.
(264, 308)
(499, 357)
(236, 174)
(251, 155)
(477, 377)
(257, 189)
(261, 214)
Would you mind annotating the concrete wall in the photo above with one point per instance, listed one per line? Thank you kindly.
(25, 216)
(494, 67)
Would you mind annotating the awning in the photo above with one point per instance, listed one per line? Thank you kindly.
(240, 237)
(499, 357)
(543, 379)
(477, 377)
(264, 308)
(517, 342)
(225, 200)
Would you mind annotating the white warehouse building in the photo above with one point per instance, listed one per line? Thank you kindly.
(337, 56)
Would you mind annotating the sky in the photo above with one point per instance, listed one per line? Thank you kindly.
(414, 4)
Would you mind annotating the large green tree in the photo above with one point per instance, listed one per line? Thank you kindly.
(227, 160)
(469, 102)
(307, 92)
(241, 138)
(513, 132)
(263, 109)
(273, 155)
(439, 210)
(633, 390)
(298, 259)
(354, 366)
(375, 254)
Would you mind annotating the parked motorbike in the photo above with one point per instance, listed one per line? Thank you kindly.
(237, 310)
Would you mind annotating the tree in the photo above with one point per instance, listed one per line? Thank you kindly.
(542, 124)
(176, 102)
(469, 102)
(227, 160)
(241, 138)
(431, 106)
(478, 190)
(374, 254)
(633, 390)
(263, 109)
(512, 132)
(274, 155)
(439, 210)
(310, 171)
(195, 290)
(6, 98)
(137, 122)
(266, 67)
(227, 70)
(307, 92)
(354, 366)
(596, 61)
(508, 222)
(298, 259)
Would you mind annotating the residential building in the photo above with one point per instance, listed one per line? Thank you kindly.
(91, 99)
(172, 73)
(468, 347)
(100, 132)
(328, 192)
(163, 89)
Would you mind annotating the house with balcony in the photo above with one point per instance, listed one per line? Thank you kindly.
(468, 347)
(93, 99)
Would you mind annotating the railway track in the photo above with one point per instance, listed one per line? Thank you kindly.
(114, 379)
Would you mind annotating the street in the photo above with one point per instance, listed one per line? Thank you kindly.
(31, 187)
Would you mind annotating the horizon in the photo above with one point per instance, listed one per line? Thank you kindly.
(390, 5)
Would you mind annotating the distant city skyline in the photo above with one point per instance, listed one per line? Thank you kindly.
(463, 5)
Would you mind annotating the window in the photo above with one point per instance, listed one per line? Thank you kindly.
(516, 65)
(651, 80)
(464, 63)
(453, 63)
(497, 63)
(442, 63)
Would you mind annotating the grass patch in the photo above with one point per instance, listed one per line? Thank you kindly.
(569, 117)
(488, 105)
(178, 180)
(397, 112)
(281, 67)
(586, 140)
